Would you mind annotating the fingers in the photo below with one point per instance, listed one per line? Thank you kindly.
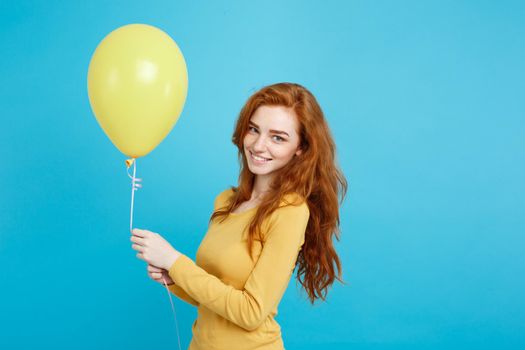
(154, 277)
(157, 276)
(152, 268)
(140, 233)
(138, 248)
(138, 240)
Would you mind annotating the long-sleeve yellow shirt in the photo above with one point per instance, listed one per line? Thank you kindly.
(237, 298)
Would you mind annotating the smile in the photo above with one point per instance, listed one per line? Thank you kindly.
(258, 159)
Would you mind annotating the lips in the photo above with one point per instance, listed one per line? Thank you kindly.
(264, 159)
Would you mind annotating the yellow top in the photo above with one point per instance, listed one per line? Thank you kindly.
(237, 299)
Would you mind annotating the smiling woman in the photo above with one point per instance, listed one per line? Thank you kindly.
(264, 148)
(283, 214)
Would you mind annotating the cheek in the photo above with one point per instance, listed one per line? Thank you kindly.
(246, 140)
(249, 140)
(282, 153)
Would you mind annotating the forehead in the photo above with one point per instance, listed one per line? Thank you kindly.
(276, 118)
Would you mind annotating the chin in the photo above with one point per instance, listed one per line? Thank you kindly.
(259, 171)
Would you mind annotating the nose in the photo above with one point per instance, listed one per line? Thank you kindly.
(259, 144)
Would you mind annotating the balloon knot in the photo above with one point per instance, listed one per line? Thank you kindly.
(129, 162)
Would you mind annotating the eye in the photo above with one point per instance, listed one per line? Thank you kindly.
(279, 137)
(252, 127)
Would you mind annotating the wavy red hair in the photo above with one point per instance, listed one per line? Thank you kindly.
(314, 175)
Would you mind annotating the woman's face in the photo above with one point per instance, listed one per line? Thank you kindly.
(272, 135)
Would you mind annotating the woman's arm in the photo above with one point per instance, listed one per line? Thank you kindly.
(249, 307)
(181, 294)
(162, 277)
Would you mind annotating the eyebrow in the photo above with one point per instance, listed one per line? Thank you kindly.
(274, 131)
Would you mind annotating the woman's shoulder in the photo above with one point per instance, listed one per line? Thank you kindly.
(290, 217)
(292, 206)
(222, 197)
(292, 198)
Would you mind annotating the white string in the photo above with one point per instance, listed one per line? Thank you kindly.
(173, 309)
(135, 186)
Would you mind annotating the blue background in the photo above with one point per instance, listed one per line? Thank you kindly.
(425, 100)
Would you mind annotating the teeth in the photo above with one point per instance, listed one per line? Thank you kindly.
(259, 158)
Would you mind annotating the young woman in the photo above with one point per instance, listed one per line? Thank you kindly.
(284, 213)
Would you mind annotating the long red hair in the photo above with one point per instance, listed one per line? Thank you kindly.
(314, 175)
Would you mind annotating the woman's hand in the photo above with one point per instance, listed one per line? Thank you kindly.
(153, 249)
(159, 275)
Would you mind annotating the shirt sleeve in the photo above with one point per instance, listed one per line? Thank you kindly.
(181, 294)
(264, 288)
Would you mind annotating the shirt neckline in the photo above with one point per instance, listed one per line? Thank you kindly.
(245, 211)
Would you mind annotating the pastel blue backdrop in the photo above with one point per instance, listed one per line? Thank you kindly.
(425, 100)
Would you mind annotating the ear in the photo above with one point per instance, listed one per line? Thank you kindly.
(298, 152)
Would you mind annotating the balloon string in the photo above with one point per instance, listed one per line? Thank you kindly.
(135, 186)
(173, 309)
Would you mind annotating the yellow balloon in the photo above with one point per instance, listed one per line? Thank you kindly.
(137, 86)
